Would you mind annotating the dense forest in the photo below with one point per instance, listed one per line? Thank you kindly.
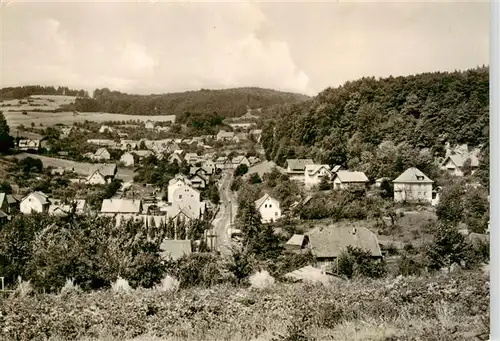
(381, 126)
(29, 90)
(227, 103)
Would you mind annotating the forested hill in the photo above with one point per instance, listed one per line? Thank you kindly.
(21, 92)
(346, 125)
(226, 103)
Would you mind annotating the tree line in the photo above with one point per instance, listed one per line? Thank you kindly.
(227, 102)
(29, 90)
(386, 123)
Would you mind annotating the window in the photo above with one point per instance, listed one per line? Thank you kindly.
(265, 205)
(275, 214)
(180, 196)
(270, 205)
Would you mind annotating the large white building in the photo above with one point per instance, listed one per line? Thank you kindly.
(269, 208)
(413, 186)
(34, 202)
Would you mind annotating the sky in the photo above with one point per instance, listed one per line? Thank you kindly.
(305, 47)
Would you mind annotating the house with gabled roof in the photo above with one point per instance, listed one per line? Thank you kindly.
(198, 180)
(101, 154)
(342, 179)
(269, 208)
(178, 181)
(314, 174)
(240, 160)
(35, 202)
(105, 128)
(8, 203)
(101, 174)
(453, 164)
(223, 162)
(413, 186)
(28, 144)
(327, 243)
(188, 199)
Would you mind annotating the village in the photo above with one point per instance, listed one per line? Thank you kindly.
(200, 184)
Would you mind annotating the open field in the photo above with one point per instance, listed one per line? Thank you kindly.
(40, 102)
(445, 307)
(15, 118)
(81, 168)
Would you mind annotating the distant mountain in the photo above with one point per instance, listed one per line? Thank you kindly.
(226, 102)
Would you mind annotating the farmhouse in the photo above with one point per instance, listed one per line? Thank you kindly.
(343, 179)
(149, 125)
(413, 186)
(314, 174)
(327, 243)
(127, 159)
(178, 181)
(103, 142)
(223, 162)
(191, 158)
(269, 208)
(174, 157)
(35, 202)
(188, 199)
(198, 181)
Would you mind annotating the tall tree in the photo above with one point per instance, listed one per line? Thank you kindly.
(5, 139)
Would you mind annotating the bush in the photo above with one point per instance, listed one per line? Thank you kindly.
(410, 265)
(70, 287)
(261, 280)
(356, 262)
(240, 170)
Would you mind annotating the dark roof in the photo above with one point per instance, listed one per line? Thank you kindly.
(329, 242)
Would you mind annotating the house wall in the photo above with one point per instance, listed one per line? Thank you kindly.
(412, 192)
(171, 189)
(337, 184)
(270, 211)
(31, 204)
(96, 179)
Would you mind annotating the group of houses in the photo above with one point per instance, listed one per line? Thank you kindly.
(411, 186)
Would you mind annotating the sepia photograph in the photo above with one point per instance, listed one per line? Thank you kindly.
(246, 171)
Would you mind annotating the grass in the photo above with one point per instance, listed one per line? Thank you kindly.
(81, 168)
(437, 307)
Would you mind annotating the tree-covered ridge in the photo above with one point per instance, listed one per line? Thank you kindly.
(29, 90)
(227, 102)
(416, 114)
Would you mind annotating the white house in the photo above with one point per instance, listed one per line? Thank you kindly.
(343, 179)
(149, 125)
(101, 174)
(314, 174)
(223, 162)
(178, 181)
(454, 164)
(413, 186)
(187, 199)
(269, 208)
(127, 159)
(34, 202)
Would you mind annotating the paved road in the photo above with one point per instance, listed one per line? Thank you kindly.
(227, 212)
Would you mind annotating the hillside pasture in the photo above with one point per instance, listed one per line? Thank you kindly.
(81, 168)
(37, 102)
(16, 118)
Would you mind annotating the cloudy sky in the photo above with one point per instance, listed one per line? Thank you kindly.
(154, 46)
